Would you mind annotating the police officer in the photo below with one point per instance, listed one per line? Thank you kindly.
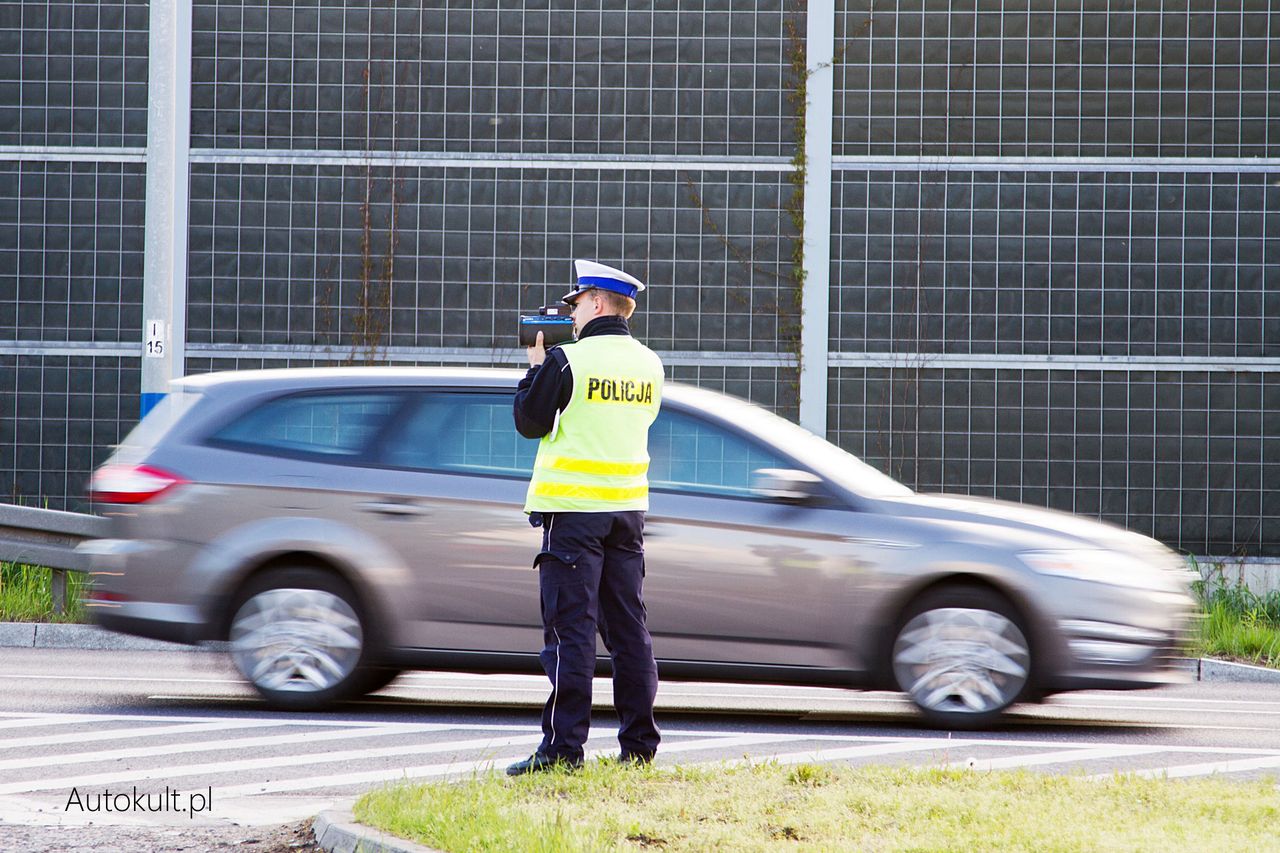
(591, 403)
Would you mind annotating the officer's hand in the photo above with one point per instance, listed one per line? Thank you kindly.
(537, 353)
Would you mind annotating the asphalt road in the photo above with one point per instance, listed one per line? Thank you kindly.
(82, 730)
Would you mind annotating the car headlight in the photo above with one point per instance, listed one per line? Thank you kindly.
(1096, 565)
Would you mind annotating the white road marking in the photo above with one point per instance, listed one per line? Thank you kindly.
(163, 678)
(477, 766)
(868, 751)
(712, 741)
(1065, 745)
(218, 745)
(665, 692)
(501, 735)
(1124, 697)
(241, 698)
(218, 767)
(1120, 700)
(374, 776)
(1061, 756)
(283, 718)
(1207, 768)
(127, 734)
(1228, 760)
(1074, 706)
(833, 703)
(32, 722)
(677, 693)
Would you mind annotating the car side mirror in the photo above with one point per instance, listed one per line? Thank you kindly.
(785, 484)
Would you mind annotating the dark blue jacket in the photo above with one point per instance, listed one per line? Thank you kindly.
(547, 388)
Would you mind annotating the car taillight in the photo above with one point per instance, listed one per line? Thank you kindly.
(131, 484)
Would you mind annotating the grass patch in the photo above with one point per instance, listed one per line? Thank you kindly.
(607, 806)
(1227, 633)
(26, 594)
(1238, 624)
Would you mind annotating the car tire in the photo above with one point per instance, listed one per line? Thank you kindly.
(301, 638)
(962, 656)
(376, 678)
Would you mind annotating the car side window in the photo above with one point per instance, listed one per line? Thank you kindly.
(327, 424)
(461, 433)
(690, 455)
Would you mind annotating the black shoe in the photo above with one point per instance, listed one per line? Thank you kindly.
(638, 758)
(538, 763)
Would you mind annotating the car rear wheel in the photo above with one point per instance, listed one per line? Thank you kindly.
(299, 636)
(962, 656)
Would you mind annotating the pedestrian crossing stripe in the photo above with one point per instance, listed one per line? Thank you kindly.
(492, 745)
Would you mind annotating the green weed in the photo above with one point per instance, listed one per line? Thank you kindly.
(26, 594)
(1238, 624)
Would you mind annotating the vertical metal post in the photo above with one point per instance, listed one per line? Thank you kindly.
(58, 590)
(815, 298)
(164, 295)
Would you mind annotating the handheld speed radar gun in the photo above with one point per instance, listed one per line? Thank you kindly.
(554, 321)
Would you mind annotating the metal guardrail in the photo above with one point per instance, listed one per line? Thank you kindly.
(47, 537)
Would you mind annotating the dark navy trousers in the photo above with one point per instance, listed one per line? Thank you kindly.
(591, 569)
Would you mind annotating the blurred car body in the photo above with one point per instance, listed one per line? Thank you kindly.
(341, 525)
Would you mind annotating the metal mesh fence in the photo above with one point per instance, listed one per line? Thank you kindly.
(73, 72)
(449, 256)
(1189, 457)
(1069, 263)
(59, 417)
(1094, 78)
(71, 246)
(1084, 322)
(556, 77)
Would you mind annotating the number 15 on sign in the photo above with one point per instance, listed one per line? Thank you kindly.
(155, 339)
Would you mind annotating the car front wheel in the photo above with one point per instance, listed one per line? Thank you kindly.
(962, 656)
(298, 635)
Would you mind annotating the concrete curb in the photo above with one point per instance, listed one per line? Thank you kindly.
(336, 831)
(1225, 670)
(57, 635)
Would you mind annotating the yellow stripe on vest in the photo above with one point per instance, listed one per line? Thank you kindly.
(595, 466)
(592, 493)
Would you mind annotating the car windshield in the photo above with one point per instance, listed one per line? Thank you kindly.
(837, 465)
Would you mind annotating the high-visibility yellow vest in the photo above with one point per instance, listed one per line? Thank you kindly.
(596, 457)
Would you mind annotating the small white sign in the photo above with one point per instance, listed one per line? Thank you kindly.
(155, 339)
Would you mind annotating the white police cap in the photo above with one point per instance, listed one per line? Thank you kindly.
(593, 275)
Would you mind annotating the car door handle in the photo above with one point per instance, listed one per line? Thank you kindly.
(397, 508)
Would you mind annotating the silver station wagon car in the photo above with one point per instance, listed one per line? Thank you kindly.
(338, 526)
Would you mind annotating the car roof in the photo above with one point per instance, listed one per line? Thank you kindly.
(300, 378)
(320, 377)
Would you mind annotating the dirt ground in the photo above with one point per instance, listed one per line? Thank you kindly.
(285, 838)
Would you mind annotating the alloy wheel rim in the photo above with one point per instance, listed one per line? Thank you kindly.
(296, 640)
(961, 660)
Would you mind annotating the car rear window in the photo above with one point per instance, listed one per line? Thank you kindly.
(461, 434)
(155, 426)
(332, 425)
